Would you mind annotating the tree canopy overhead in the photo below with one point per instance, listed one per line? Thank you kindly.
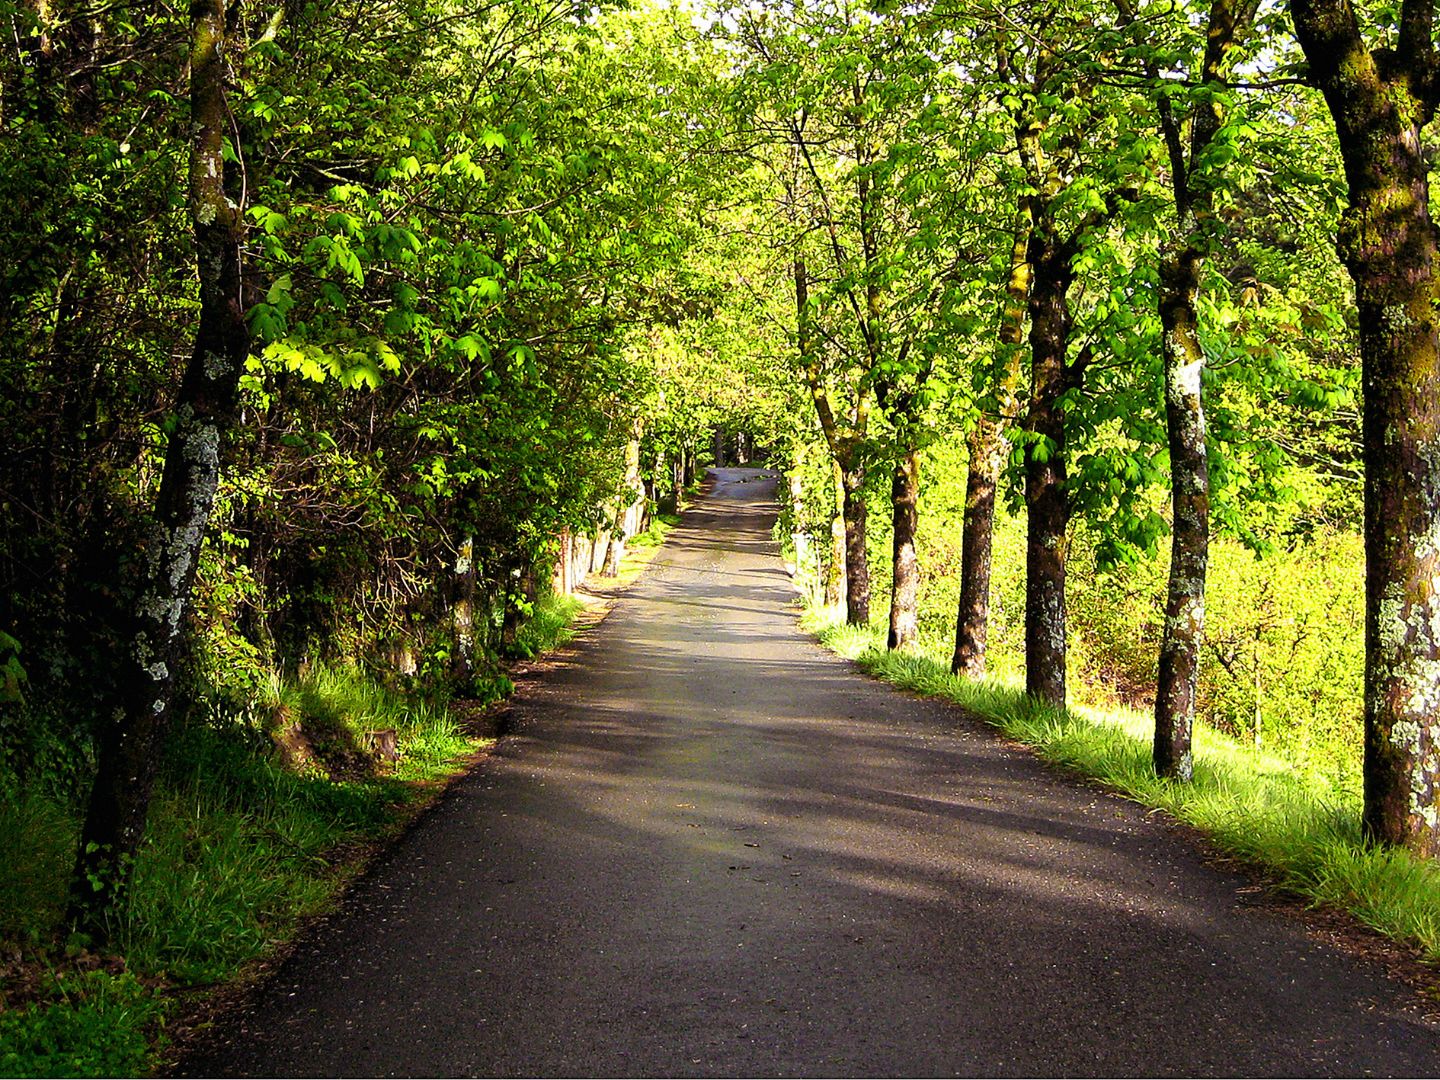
(329, 326)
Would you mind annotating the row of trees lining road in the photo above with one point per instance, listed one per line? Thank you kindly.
(326, 326)
(1008, 220)
(329, 326)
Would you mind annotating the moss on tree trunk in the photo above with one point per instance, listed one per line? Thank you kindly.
(134, 743)
(1381, 102)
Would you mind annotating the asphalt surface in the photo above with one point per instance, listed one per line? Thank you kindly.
(711, 848)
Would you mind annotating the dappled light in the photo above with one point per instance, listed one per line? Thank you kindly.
(710, 847)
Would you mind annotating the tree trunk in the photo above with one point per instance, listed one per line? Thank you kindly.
(987, 445)
(1387, 242)
(857, 563)
(835, 568)
(1402, 568)
(637, 511)
(904, 595)
(563, 582)
(462, 610)
(133, 746)
(1184, 362)
(1045, 496)
(717, 447)
(972, 619)
(614, 544)
(520, 594)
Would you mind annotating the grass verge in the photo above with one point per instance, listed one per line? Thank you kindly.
(249, 836)
(1300, 829)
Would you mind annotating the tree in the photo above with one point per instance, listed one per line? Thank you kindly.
(986, 445)
(1057, 121)
(1381, 100)
(203, 412)
(853, 108)
(1194, 172)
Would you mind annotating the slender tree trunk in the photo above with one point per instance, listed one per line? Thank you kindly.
(857, 562)
(462, 610)
(204, 411)
(614, 543)
(1045, 497)
(630, 507)
(987, 446)
(1381, 104)
(835, 568)
(1184, 362)
(637, 511)
(1192, 180)
(972, 619)
(905, 593)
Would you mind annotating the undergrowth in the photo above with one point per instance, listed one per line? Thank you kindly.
(1301, 828)
(549, 626)
(242, 845)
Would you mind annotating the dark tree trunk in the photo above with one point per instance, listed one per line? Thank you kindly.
(1192, 180)
(835, 568)
(462, 610)
(905, 593)
(857, 563)
(1381, 104)
(972, 619)
(986, 445)
(1184, 362)
(520, 593)
(1045, 497)
(205, 408)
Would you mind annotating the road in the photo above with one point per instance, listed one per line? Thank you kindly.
(711, 848)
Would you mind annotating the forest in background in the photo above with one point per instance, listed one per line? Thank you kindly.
(340, 338)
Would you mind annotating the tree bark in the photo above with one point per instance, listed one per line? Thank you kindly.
(857, 562)
(799, 538)
(972, 617)
(462, 610)
(986, 445)
(905, 593)
(204, 411)
(1184, 362)
(1380, 104)
(835, 569)
(1046, 501)
(1183, 365)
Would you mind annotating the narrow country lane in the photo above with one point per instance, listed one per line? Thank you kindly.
(713, 849)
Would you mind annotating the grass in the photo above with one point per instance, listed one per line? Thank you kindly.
(240, 850)
(550, 626)
(654, 536)
(1300, 828)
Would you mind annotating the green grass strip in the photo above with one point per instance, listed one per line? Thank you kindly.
(240, 850)
(1297, 826)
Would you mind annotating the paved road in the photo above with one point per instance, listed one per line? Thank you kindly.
(713, 849)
